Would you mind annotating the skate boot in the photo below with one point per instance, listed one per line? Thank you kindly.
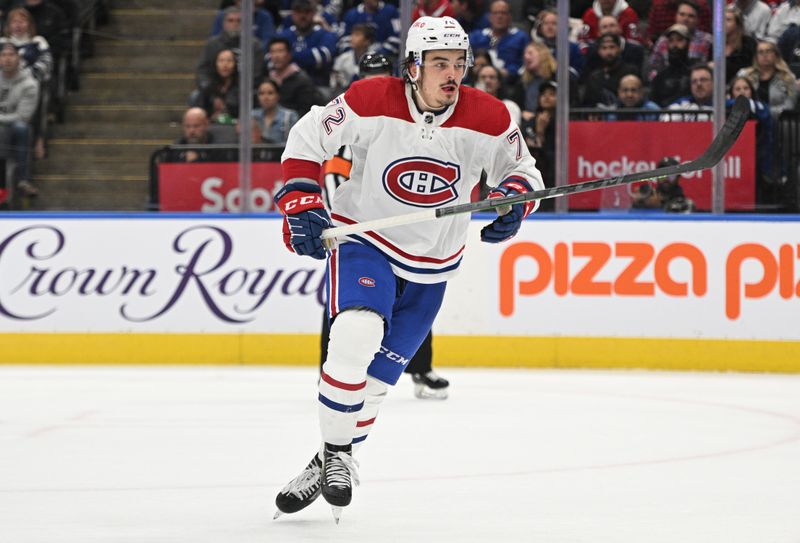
(302, 490)
(338, 477)
(429, 386)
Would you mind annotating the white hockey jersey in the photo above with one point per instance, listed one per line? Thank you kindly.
(404, 161)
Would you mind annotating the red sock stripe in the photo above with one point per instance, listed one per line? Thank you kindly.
(362, 423)
(344, 386)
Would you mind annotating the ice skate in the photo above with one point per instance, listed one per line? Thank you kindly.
(429, 386)
(302, 490)
(338, 477)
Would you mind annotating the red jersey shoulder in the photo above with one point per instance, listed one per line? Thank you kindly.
(479, 111)
(378, 97)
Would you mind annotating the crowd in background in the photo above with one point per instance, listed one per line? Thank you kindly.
(36, 37)
(625, 58)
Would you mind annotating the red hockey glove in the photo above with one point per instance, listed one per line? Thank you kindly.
(304, 218)
(507, 225)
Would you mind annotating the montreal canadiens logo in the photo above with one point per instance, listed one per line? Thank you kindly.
(366, 281)
(421, 181)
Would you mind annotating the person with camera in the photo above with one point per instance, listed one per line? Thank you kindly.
(666, 194)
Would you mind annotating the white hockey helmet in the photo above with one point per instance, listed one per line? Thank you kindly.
(431, 33)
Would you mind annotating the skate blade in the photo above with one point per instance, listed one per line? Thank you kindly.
(424, 393)
(277, 514)
(337, 513)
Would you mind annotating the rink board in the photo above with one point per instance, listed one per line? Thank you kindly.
(687, 292)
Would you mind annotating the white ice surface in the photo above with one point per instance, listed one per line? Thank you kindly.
(196, 455)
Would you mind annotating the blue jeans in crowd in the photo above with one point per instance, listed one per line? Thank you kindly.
(15, 142)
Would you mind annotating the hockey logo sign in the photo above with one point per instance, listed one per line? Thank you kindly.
(422, 181)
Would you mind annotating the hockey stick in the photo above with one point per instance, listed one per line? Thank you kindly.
(715, 152)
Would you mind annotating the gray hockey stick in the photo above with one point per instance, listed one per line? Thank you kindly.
(715, 152)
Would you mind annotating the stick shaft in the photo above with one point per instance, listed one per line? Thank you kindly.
(715, 152)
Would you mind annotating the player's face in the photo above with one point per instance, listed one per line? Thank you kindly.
(441, 76)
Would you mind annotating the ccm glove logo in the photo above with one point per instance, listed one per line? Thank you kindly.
(302, 203)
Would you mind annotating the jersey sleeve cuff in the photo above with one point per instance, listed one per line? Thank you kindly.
(294, 168)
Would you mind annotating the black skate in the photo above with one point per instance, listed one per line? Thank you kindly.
(429, 386)
(338, 477)
(302, 490)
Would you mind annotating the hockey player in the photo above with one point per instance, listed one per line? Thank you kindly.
(427, 383)
(418, 142)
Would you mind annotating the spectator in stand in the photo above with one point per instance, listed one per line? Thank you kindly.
(384, 18)
(490, 81)
(312, 46)
(739, 47)
(620, 10)
(51, 23)
(699, 41)
(220, 98)
(756, 17)
(263, 23)
(787, 14)
(774, 82)
(481, 58)
(663, 14)
(297, 90)
(630, 95)
(546, 29)
(195, 132)
(632, 51)
(469, 14)
(20, 29)
(274, 121)
(701, 79)
(432, 8)
(540, 135)
(601, 84)
(538, 66)
(673, 81)
(759, 111)
(345, 67)
(19, 96)
(230, 38)
(665, 194)
(789, 47)
(504, 42)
